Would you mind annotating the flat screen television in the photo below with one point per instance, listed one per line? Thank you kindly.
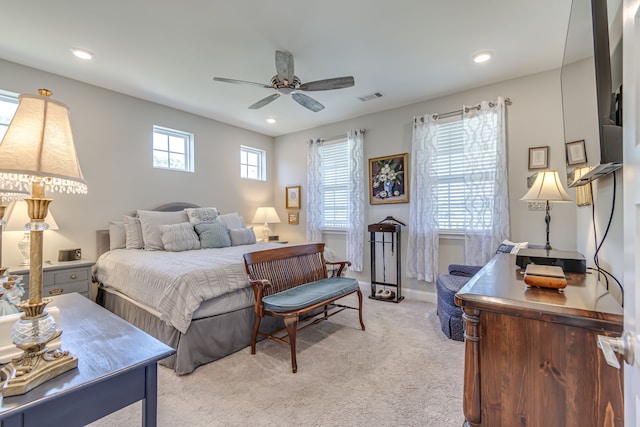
(591, 84)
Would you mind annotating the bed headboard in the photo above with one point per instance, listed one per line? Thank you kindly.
(102, 236)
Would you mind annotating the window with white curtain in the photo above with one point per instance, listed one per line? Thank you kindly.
(451, 167)
(335, 185)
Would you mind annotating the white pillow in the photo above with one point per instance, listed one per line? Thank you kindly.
(198, 215)
(133, 232)
(151, 222)
(117, 235)
(242, 236)
(179, 237)
(232, 220)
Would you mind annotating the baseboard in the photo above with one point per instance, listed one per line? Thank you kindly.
(414, 294)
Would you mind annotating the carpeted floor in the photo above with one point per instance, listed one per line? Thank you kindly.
(401, 371)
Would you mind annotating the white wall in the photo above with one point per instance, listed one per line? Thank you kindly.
(534, 119)
(112, 133)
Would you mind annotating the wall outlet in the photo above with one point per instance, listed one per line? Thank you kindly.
(538, 206)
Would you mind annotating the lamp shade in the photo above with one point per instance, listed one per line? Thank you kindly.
(266, 215)
(547, 187)
(17, 217)
(39, 147)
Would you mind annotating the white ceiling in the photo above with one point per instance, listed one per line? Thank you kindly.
(168, 51)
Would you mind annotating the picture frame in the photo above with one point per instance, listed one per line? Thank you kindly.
(292, 217)
(576, 153)
(389, 179)
(539, 157)
(292, 196)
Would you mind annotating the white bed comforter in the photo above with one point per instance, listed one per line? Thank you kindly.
(176, 283)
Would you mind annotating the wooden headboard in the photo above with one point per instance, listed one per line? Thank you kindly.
(102, 236)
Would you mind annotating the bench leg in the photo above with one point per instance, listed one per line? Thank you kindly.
(360, 308)
(291, 323)
(254, 335)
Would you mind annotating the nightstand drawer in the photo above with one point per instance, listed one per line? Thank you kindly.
(78, 275)
(66, 288)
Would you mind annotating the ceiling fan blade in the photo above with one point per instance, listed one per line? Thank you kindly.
(241, 82)
(265, 101)
(284, 66)
(328, 84)
(307, 102)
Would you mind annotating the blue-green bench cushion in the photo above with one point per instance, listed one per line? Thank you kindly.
(309, 294)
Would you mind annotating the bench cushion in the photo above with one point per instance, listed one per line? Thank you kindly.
(310, 293)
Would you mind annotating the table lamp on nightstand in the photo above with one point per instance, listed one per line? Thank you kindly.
(266, 215)
(38, 151)
(17, 217)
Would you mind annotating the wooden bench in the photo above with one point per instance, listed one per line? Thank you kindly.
(291, 283)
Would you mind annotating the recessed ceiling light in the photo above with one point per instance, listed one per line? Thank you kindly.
(82, 53)
(271, 120)
(481, 57)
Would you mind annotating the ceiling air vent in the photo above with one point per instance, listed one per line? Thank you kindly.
(370, 97)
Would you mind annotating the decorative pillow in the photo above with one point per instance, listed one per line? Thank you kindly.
(232, 220)
(509, 247)
(117, 235)
(213, 234)
(198, 215)
(179, 237)
(133, 232)
(151, 222)
(242, 236)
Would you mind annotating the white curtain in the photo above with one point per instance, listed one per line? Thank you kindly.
(486, 190)
(422, 254)
(314, 192)
(355, 230)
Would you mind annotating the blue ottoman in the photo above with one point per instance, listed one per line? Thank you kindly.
(447, 285)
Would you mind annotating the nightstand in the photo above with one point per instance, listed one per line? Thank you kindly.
(59, 278)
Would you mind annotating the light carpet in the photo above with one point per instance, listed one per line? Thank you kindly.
(401, 371)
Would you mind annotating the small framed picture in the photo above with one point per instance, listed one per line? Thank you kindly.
(293, 197)
(538, 157)
(576, 153)
(292, 217)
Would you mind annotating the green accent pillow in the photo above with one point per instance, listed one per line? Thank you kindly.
(213, 234)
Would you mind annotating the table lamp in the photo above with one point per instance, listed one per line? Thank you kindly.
(38, 151)
(266, 215)
(7, 196)
(547, 188)
(17, 217)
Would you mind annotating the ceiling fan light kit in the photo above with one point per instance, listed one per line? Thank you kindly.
(287, 83)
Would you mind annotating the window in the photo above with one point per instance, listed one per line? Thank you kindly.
(172, 149)
(252, 163)
(8, 107)
(335, 185)
(450, 166)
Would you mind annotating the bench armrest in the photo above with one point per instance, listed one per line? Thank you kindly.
(259, 287)
(342, 265)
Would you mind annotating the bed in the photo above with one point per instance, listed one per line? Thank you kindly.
(198, 301)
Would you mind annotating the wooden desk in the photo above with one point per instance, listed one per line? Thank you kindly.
(116, 367)
(531, 355)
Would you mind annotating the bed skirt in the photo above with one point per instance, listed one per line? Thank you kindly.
(207, 339)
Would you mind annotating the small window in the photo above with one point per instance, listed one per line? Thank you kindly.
(335, 185)
(172, 149)
(8, 107)
(252, 163)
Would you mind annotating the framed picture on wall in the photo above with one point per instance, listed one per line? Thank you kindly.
(293, 197)
(389, 179)
(576, 153)
(539, 158)
(292, 217)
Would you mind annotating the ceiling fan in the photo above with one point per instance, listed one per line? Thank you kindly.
(286, 83)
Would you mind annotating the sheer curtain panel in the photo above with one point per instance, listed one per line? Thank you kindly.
(355, 227)
(314, 192)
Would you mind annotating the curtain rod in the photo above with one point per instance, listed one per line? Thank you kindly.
(507, 101)
(333, 138)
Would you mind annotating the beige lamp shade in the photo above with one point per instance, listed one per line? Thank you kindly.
(39, 147)
(266, 215)
(547, 187)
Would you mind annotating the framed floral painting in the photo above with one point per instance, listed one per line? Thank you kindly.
(389, 179)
